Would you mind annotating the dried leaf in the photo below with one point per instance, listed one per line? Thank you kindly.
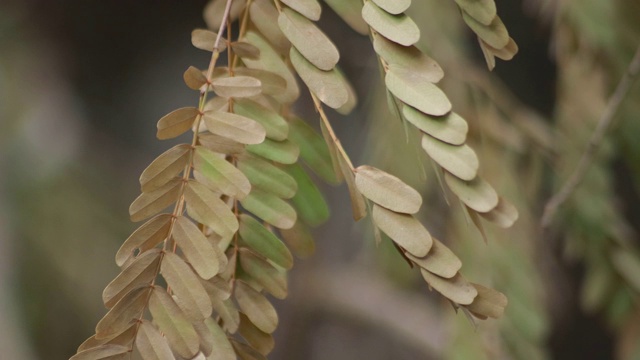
(460, 160)
(394, 7)
(236, 86)
(350, 11)
(404, 230)
(194, 78)
(272, 83)
(196, 248)
(265, 176)
(219, 174)
(333, 153)
(450, 128)
(246, 352)
(214, 11)
(408, 57)
(275, 125)
(176, 122)
(217, 288)
(151, 344)
(264, 242)
(328, 86)
(221, 345)
(456, 289)
(387, 190)
(271, 279)
(313, 149)
(185, 285)
(495, 34)
(352, 99)
(125, 338)
(270, 208)
(309, 202)
(139, 273)
(506, 53)
(440, 260)
(358, 206)
(489, 302)
(228, 313)
(145, 237)
(101, 352)
(397, 28)
(165, 167)
(206, 207)
(309, 8)
(283, 152)
(258, 339)
(123, 314)
(299, 239)
(413, 89)
(245, 50)
(203, 39)
(151, 203)
(220, 144)
(181, 335)
(477, 194)
(257, 308)
(264, 16)
(312, 43)
(484, 11)
(503, 215)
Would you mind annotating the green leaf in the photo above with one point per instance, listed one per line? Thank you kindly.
(387, 190)
(299, 239)
(140, 272)
(408, 57)
(264, 175)
(270, 208)
(477, 194)
(271, 279)
(283, 152)
(394, 7)
(264, 242)
(165, 167)
(145, 237)
(313, 149)
(460, 160)
(450, 128)
(413, 89)
(196, 248)
(456, 289)
(350, 11)
(257, 308)
(309, 203)
(404, 230)
(484, 11)
(309, 8)
(205, 206)
(495, 34)
(440, 260)
(219, 175)
(181, 335)
(236, 86)
(397, 28)
(312, 43)
(176, 123)
(186, 287)
(275, 125)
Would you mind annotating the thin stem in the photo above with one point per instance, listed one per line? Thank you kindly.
(332, 134)
(599, 133)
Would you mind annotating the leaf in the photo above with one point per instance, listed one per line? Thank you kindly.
(352, 100)
(206, 207)
(404, 230)
(489, 302)
(387, 190)
(394, 7)
(228, 313)
(140, 272)
(328, 86)
(350, 11)
(145, 237)
(450, 128)
(309, 8)
(504, 214)
(203, 39)
(181, 335)
(484, 11)
(309, 202)
(627, 264)
(151, 203)
(477, 194)
(271, 61)
(397, 28)
(409, 58)
(310, 41)
(272, 83)
(299, 239)
(219, 174)
(125, 338)
(245, 50)
(236, 86)
(283, 152)
(217, 288)
(165, 167)
(151, 344)
(413, 89)
(220, 144)
(264, 16)
(101, 352)
(221, 345)
(440, 260)
(194, 78)
(313, 149)
(271, 279)
(176, 122)
(258, 339)
(456, 289)
(506, 53)
(270, 208)
(264, 175)
(275, 125)
(333, 153)
(495, 34)
(358, 206)
(246, 352)
(213, 12)
(191, 296)
(123, 314)
(196, 248)
(461, 161)
(264, 242)
(257, 308)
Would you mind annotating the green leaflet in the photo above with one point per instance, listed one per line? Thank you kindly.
(262, 174)
(264, 242)
(275, 125)
(283, 152)
(309, 203)
(219, 175)
(271, 279)
(270, 208)
(313, 149)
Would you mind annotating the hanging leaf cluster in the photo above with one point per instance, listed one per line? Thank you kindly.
(223, 213)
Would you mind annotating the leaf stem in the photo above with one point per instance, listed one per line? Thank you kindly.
(332, 134)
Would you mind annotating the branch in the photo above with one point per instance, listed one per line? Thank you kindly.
(588, 156)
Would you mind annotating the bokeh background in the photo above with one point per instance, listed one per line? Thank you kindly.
(82, 84)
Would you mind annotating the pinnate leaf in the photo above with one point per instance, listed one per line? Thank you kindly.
(394, 7)
(408, 57)
(264, 175)
(236, 86)
(151, 203)
(271, 279)
(145, 237)
(270, 208)
(489, 302)
(350, 11)
(309, 202)
(477, 194)
(283, 152)
(123, 314)
(222, 349)
(482, 10)
(185, 285)
(450, 128)
(494, 34)
(276, 126)
(108, 351)
(413, 89)
(257, 339)
(235, 127)
(503, 215)
(194, 78)
(264, 16)
(313, 149)
(203, 39)
(456, 289)
(440, 260)
(309, 8)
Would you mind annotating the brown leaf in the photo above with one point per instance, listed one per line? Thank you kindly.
(258, 339)
(266, 275)
(456, 289)
(123, 313)
(387, 190)
(108, 351)
(194, 78)
(205, 206)
(151, 344)
(477, 194)
(203, 39)
(139, 273)
(181, 335)
(257, 308)
(176, 123)
(145, 237)
(186, 287)
(404, 230)
(165, 167)
(151, 203)
(489, 302)
(200, 253)
(440, 260)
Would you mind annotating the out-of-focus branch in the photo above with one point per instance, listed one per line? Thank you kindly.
(603, 126)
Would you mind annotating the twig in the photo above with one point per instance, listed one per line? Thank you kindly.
(587, 158)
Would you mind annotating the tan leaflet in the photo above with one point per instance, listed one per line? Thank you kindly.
(257, 308)
(404, 230)
(387, 190)
(181, 335)
(186, 287)
(196, 248)
(139, 273)
(151, 344)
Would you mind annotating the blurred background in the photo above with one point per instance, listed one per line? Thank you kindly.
(82, 84)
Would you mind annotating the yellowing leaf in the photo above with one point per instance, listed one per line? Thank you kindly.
(484, 11)
(283, 152)
(450, 128)
(350, 11)
(219, 175)
(257, 308)
(264, 242)
(408, 57)
(394, 7)
(206, 207)
(503, 215)
(489, 302)
(397, 28)
(191, 296)
(236, 86)
(124, 313)
(413, 89)
(271, 279)
(145, 237)
(313, 149)
(196, 248)
(151, 344)
(181, 335)
(495, 34)
(176, 123)
(108, 351)
(477, 194)
(461, 161)
(258, 339)
(328, 86)
(299, 239)
(203, 39)
(440, 260)
(275, 125)
(309, 8)
(270, 208)
(165, 167)
(264, 175)
(404, 230)
(456, 289)
(309, 202)
(221, 345)
(264, 16)
(312, 43)
(139, 273)
(387, 190)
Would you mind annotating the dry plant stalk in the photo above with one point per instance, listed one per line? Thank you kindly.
(240, 186)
